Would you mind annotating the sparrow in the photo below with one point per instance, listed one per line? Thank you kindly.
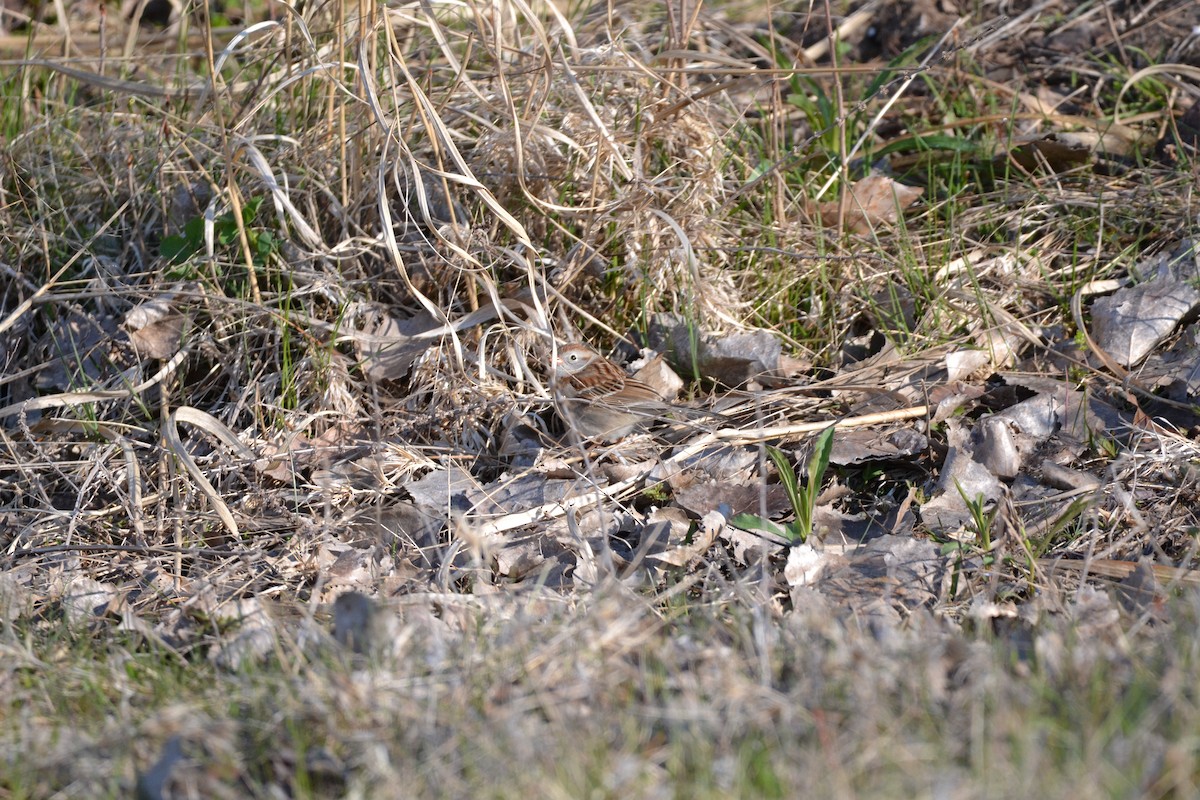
(598, 400)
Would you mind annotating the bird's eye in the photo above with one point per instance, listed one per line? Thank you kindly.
(573, 357)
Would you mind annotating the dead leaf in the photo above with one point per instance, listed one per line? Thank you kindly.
(156, 327)
(153, 782)
(947, 399)
(1131, 323)
(701, 498)
(530, 557)
(86, 599)
(965, 364)
(731, 359)
(873, 201)
(747, 547)
(387, 346)
(76, 352)
(961, 476)
(656, 374)
(682, 552)
(1059, 409)
(247, 633)
(719, 463)
(859, 445)
(996, 447)
(1044, 102)
(1139, 593)
(896, 571)
(1058, 154)
(354, 621)
(1178, 367)
(443, 490)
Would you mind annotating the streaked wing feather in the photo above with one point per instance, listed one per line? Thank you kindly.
(586, 392)
(637, 392)
(631, 390)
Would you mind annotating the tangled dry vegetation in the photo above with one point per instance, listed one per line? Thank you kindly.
(285, 505)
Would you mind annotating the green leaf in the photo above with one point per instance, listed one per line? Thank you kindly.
(176, 249)
(753, 522)
(227, 232)
(787, 476)
(250, 209)
(934, 141)
(265, 243)
(819, 461)
(952, 548)
(193, 230)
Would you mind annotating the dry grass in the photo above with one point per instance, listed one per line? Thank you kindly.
(385, 215)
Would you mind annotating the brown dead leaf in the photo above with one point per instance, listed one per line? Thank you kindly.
(660, 377)
(1051, 152)
(525, 557)
(860, 445)
(1045, 101)
(387, 345)
(949, 397)
(681, 552)
(156, 327)
(701, 498)
(895, 571)
(875, 200)
(160, 339)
